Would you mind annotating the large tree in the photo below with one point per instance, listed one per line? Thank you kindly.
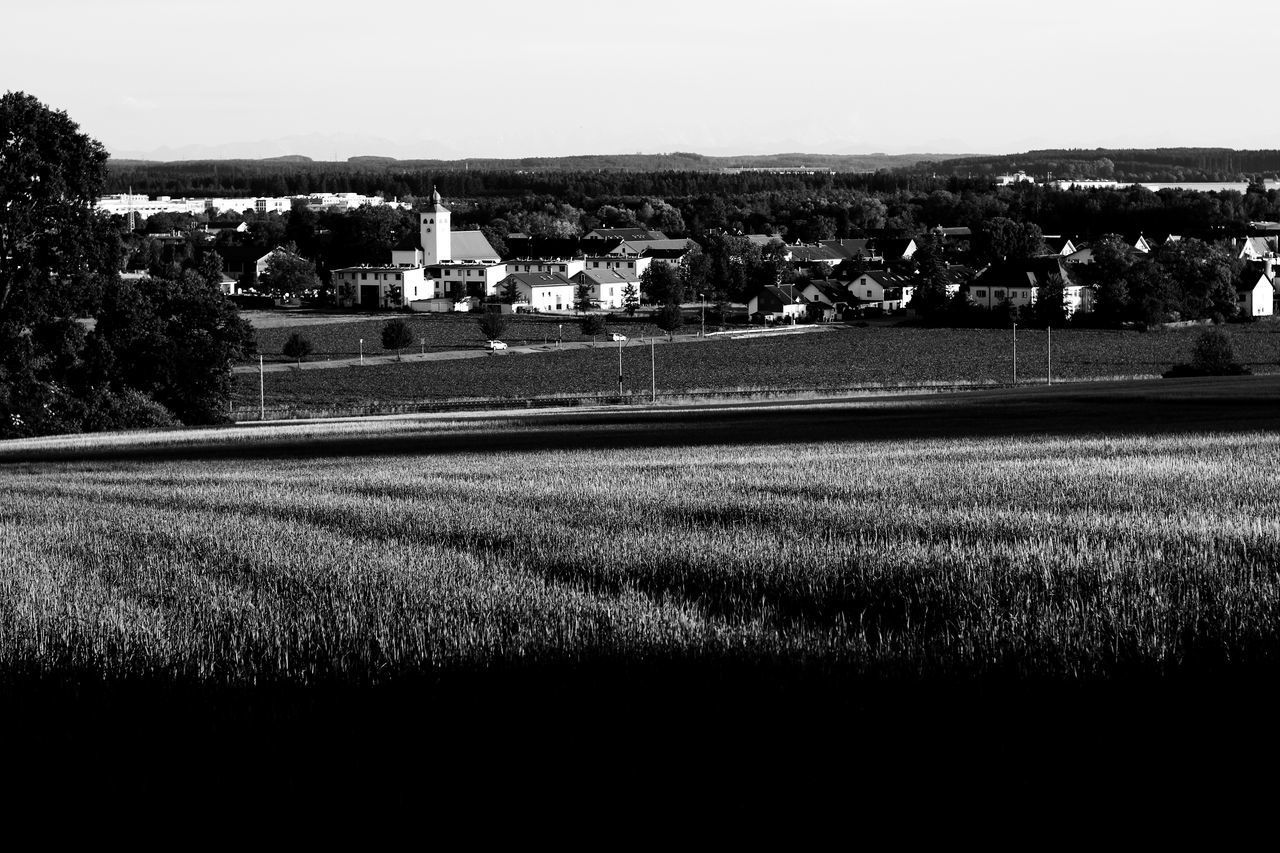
(162, 347)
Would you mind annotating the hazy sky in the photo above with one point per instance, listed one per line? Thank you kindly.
(484, 78)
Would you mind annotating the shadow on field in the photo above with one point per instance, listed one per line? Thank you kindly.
(1161, 407)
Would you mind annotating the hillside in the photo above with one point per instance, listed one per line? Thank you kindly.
(1122, 164)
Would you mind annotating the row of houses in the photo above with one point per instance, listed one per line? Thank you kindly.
(446, 270)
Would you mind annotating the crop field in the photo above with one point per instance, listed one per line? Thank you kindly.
(341, 337)
(710, 575)
(844, 358)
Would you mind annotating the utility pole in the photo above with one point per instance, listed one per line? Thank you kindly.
(262, 394)
(362, 351)
(1050, 329)
(702, 301)
(619, 371)
(1015, 354)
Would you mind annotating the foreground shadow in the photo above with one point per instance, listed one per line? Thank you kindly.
(1161, 407)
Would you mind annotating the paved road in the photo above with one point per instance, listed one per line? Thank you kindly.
(514, 349)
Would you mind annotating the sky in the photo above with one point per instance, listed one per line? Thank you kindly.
(173, 79)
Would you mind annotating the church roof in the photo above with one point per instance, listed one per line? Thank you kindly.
(470, 246)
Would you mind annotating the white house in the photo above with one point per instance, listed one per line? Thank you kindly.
(625, 264)
(379, 287)
(887, 290)
(1258, 300)
(542, 291)
(567, 267)
(608, 287)
(778, 303)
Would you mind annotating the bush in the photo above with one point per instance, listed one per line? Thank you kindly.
(1212, 355)
(396, 335)
(297, 347)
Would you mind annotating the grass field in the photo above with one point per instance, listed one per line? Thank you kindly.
(878, 578)
(340, 338)
(848, 357)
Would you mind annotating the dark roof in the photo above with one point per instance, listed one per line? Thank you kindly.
(607, 277)
(892, 247)
(849, 247)
(559, 247)
(889, 280)
(541, 279)
(811, 254)
(626, 234)
(1032, 272)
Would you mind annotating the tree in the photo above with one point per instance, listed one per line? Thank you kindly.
(630, 298)
(930, 295)
(1051, 302)
(661, 284)
(582, 297)
(509, 292)
(1003, 239)
(396, 335)
(493, 324)
(162, 348)
(289, 273)
(297, 347)
(669, 318)
(594, 325)
(1213, 353)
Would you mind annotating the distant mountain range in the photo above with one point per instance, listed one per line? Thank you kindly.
(675, 161)
(1119, 164)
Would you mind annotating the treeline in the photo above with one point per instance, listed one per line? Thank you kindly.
(1121, 164)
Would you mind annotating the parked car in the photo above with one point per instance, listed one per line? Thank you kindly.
(495, 345)
(618, 337)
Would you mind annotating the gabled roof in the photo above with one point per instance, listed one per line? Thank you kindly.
(849, 247)
(812, 254)
(540, 279)
(829, 291)
(1032, 272)
(957, 232)
(894, 247)
(470, 246)
(626, 234)
(1059, 245)
(888, 279)
(598, 276)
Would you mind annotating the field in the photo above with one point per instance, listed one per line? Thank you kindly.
(845, 358)
(955, 574)
(340, 336)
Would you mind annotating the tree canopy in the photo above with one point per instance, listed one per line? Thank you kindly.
(160, 348)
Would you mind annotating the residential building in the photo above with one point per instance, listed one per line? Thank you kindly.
(881, 289)
(778, 303)
(608, 287)
(386, 287)
(567, 267)
(1020, 283)
(1257, 299)
(541, 291)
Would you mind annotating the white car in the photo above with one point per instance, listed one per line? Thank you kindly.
(618, 337)
(495, 345)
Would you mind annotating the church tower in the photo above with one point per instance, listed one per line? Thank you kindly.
(434, 228)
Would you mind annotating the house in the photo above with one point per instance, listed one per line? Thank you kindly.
(626, 264)
(1256, 294)
(1256, 248)
(608, 287)
(1019, 283)
(829, 293)
(778, 303)
(813, 257)
(386, 287)
(881, 289)
(466, 279)
(892, 249)
(541, 291)
(567, 267)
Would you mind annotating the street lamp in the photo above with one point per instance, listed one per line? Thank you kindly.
(559, 334)
(362, 350)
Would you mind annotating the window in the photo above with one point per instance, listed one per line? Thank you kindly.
(364, 276)
(997, 294)
(868, 293)
(981, 294)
